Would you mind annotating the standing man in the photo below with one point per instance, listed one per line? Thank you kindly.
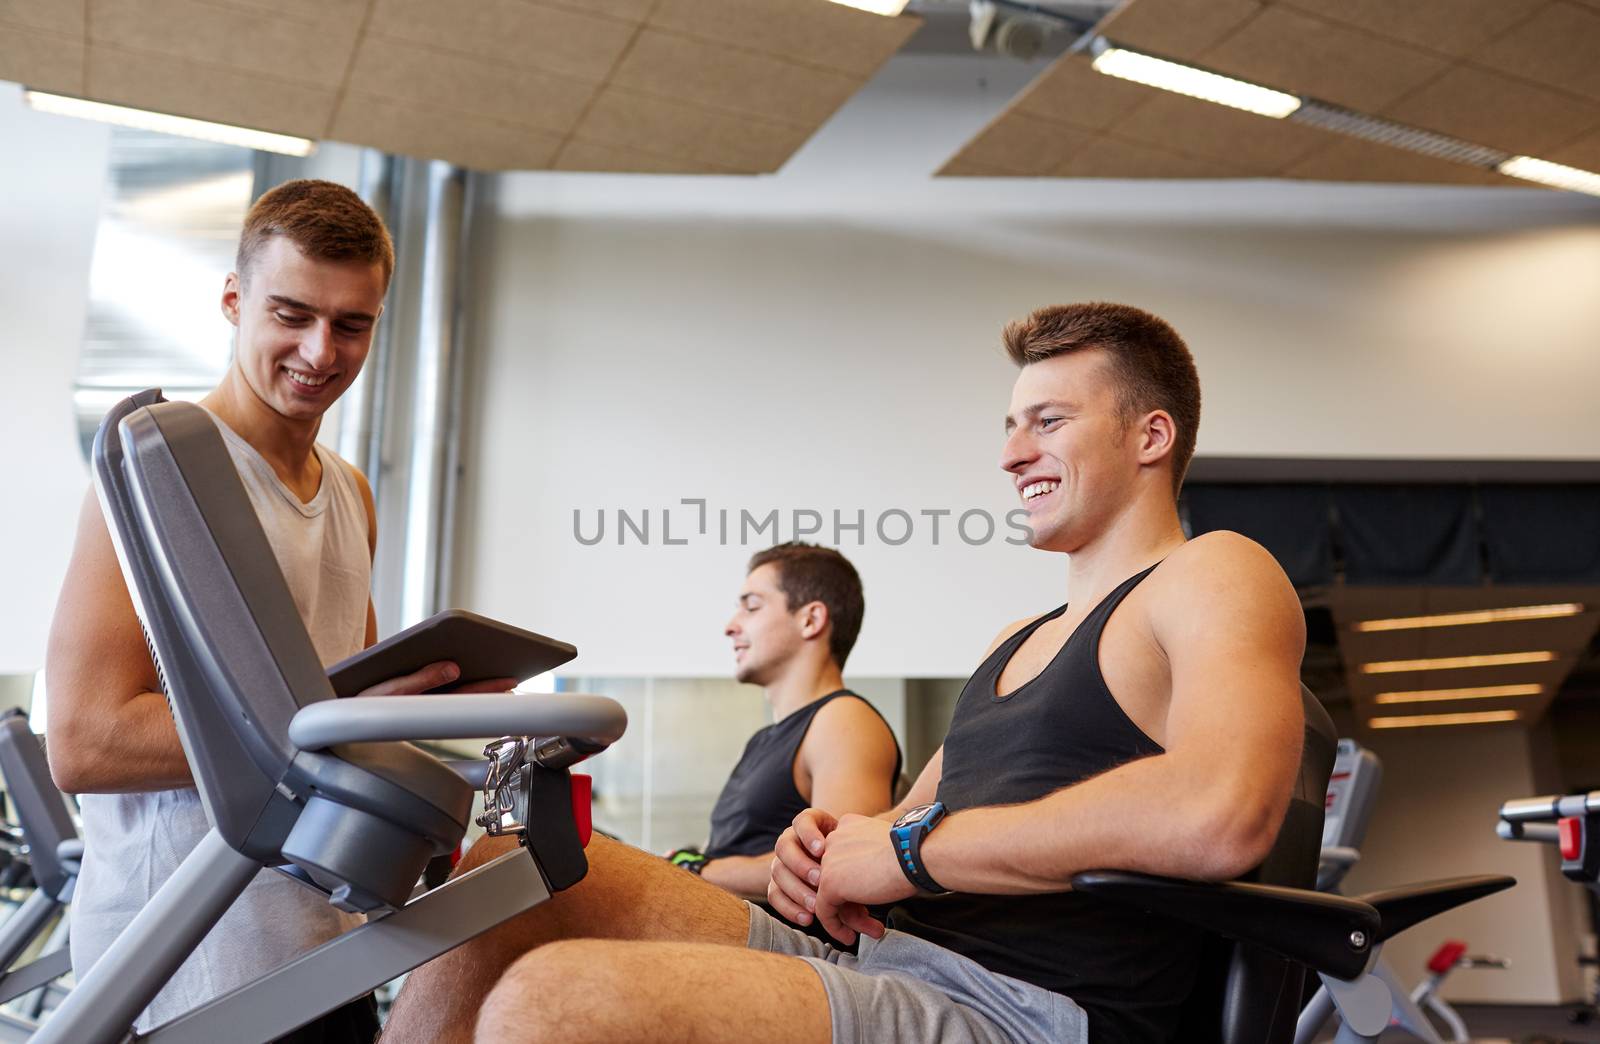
(1152, 723)
(798, 616)
(313, 266)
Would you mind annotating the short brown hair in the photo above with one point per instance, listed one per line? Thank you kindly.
(324, 219)
(808, 573)
(1151, 363)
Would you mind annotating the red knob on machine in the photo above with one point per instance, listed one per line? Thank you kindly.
(1570, 831)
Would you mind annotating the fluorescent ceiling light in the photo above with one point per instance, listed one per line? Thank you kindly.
(1196, 83)
(1475, 616)
(266, 141)
(883, 7)
(1411, 721)
(1476, 692)
(1448, 663)
(1555, 175)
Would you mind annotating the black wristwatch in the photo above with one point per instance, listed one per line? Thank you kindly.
(907, 833)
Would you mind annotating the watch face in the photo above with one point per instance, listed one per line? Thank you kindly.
(912, 815)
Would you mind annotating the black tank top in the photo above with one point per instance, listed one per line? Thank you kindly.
(760, 800)
(1129, 970)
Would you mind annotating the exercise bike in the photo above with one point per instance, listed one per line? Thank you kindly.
(1352, 794)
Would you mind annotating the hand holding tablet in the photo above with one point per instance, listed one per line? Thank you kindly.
(491, 656)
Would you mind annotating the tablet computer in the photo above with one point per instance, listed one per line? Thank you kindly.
(481, 647)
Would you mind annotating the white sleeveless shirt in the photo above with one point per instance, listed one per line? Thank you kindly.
(133, 842)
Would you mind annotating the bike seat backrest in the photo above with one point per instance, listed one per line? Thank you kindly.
(236, 663)
(1244, 995)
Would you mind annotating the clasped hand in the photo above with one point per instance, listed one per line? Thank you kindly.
(833, 869)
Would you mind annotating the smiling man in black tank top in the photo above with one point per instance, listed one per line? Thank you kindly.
(1151, 723)
(799, 614)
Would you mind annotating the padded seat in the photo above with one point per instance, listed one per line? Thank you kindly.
(395, 782)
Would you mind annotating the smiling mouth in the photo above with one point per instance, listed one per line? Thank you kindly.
(306, 380)
(1033, 491)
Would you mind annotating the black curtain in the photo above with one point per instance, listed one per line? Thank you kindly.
(1291, 521)
(1542, 534)
(1408, 534)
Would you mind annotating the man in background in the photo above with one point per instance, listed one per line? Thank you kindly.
(799, 613)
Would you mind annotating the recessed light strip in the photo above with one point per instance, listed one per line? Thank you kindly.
(1196, 83)
(1555, 175)
(1476, 692)
(1474, 616)
(1412, 721)
(141, 119)
(882, 7)
(1450, 663)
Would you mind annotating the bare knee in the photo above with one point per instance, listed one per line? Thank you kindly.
(553, 993)
(484, 850)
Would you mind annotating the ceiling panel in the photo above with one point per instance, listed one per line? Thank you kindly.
(1024, 146)
(1072, 92)
(524, 96)
(473, 141)
(1221, 135)
(306, 10)
(551, 39)
(1351, 159)
(828, 37)
(51, 15)
(714, 85)
(205, 91)
(208, 33)
(1182, 29)
(587, 155)
(1324, 59)
(1448, 27)
(635, 11)
(1501, 111)
(1584, 152)
(690, 70)
(677, 132)
(1106, 157)
(49, 61)
(1558, 47)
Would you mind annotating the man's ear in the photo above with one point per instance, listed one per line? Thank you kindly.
(1158, 436)
(232, 294)
(813, 619)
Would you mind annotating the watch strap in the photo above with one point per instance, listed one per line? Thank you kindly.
(908, 852)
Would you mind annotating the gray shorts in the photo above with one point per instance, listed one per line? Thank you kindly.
(901, 987)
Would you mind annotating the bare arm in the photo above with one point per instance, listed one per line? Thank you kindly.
(744, 876)
(110, 728)
(848, 760)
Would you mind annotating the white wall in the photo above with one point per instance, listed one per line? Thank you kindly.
(52, 171)
(799, 342)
